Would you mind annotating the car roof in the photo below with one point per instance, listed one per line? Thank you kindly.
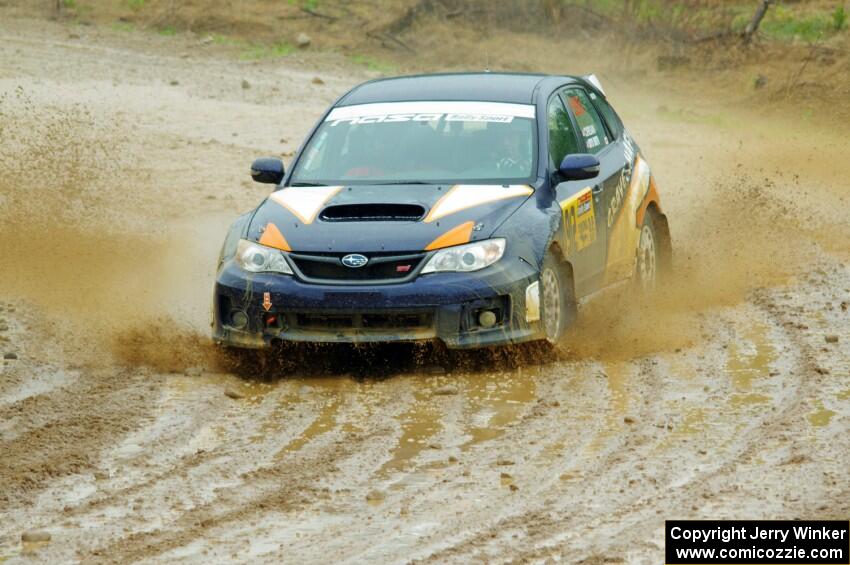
(517, 88)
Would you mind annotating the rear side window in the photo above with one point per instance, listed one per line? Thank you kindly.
(562, 137)
(611, 117)
(590, 124)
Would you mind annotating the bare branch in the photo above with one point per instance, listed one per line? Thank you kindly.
(754, 24)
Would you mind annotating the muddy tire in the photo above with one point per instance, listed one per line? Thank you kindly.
(654, 252)
(557, 298)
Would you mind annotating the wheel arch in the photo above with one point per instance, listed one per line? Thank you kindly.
(567, 267)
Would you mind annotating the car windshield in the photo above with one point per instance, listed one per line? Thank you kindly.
(421, 142)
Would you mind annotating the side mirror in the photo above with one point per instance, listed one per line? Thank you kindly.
(267, 170)
(581, 166)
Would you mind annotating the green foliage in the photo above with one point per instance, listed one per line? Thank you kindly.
(373, 64)
(167, 31)
(257, 51)
(309, 4)
(782, 23)
(123, 26)
(219, 39)
(70, 4)
(136, 5)
(839, 18)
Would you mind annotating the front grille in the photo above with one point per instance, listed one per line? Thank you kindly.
(329, 267)
(373, 213)
(394, 321)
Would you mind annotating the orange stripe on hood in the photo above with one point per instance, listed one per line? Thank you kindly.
(455, 236)
(273, 238)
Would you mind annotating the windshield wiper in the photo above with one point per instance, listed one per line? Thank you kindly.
(308, 184)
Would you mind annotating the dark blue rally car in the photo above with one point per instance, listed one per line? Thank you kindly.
(476, 209)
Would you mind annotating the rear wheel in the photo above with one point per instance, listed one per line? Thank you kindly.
(653, 252)
(557, 298)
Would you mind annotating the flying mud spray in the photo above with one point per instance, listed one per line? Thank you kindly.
(107, 282)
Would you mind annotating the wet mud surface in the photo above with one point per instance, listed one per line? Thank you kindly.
(127, 437)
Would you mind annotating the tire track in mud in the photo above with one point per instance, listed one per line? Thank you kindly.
(634, 529)
(629, 479)
(284, 478)
(56, 442)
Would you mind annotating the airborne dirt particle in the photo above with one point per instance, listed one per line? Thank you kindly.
(504, 462)
(832, 338)
(233, 393)
(245, 84)
(317, 80)
(375, 496)
(10, 355)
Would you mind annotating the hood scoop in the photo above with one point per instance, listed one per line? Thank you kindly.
(373, 213)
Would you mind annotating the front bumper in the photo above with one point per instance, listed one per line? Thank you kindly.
(442, 306)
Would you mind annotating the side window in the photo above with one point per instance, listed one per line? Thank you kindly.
(562, 137)
(615, 125)
(592, 128)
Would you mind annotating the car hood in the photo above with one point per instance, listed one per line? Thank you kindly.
(388, 218)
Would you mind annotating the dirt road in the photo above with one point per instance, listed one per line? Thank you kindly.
(123, 158)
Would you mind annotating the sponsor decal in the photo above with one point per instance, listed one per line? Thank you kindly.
(585, 204)
(267, 301)
(588, 131)
(625, 178)
(463, 196)
(623, 233)
(430, 110)
(579, 221)
(479, 118)
(396, 118)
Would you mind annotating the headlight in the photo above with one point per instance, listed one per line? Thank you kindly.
(466, 258)
(256, 258)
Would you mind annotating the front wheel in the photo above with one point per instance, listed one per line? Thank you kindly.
(557, 298)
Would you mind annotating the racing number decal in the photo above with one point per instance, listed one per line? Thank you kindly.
(579, 221)
(586, 221)
(577, 106)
